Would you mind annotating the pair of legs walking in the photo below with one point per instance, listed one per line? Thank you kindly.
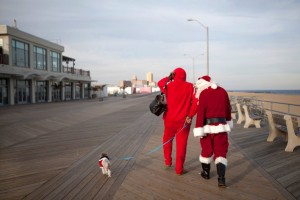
(214, 146)
(181, 133)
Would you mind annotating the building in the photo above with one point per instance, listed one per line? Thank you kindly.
(138, 83)
(150, 77)
(33, 70)
(124, 84)
(139, 86)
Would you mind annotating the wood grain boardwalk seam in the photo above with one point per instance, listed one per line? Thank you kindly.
(88, 164)
(58, 149)
(78, 177)
(148, 179)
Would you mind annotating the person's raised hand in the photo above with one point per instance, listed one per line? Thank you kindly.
(171, 76)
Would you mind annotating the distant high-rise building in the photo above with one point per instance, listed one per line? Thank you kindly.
(150, 77)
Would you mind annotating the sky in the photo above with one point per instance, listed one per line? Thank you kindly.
(252, 44)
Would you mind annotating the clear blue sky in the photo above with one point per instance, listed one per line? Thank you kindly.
(253, 44)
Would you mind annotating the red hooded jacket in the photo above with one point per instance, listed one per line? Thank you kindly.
(180, 95)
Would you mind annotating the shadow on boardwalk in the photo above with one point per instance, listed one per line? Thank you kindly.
(51, 151)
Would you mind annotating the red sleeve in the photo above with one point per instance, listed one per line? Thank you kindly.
(228, 109)
(161, 84)
(194, 106)
(201, 111)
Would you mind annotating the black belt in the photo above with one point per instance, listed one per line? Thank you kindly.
(215, 120)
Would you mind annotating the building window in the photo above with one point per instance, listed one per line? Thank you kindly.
(39, 58)
(68, 91)
(20, 54)
(78, 90)
(56, 91)
(22, 91)
(86, 90)
(3, 91)
(41, 91)
(55, 62)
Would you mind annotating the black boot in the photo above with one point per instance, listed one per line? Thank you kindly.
(206, 171)
(221, 173)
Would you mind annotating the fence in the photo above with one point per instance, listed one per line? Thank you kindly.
(258, 107)
(72, 70)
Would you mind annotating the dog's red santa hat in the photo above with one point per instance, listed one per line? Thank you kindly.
(203, 83)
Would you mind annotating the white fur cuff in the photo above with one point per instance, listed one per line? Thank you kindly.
(205, 160)
(221, 160)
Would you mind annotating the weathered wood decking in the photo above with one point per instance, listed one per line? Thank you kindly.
(51, 151)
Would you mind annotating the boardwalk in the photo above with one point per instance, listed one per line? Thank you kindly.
(50, 151)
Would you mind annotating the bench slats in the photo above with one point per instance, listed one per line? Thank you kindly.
(286, 127)
(279, 119)
(255, 117)
(251, 119)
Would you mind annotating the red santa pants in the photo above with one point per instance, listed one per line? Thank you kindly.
(214, 144)
(172, 129)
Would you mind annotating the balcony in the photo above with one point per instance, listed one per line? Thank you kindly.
(72, 70)
(4, 59)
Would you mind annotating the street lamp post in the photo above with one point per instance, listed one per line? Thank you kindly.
(193, 67)
(207, 39)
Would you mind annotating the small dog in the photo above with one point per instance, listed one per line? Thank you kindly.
(104, 164)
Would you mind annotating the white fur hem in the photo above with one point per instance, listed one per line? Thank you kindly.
(205, 160)
(198, 132)
(221, 160)
(202, 131)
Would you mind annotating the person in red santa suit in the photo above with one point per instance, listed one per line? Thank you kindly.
(181, 107)
(213, 123)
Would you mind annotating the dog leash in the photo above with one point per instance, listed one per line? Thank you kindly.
(157, 148)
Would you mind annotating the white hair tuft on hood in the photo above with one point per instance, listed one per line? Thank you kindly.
(204, 83)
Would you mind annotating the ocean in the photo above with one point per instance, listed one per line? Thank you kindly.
(288, 92)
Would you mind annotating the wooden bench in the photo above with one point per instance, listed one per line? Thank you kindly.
(233, 101)
(277, 126)
(251, 119)
(286, 127)
(241, 115)
(233, 112)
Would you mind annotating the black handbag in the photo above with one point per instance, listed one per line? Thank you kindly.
(158, 105)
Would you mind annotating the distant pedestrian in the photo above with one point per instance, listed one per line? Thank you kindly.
(181, 107)
(212, 126)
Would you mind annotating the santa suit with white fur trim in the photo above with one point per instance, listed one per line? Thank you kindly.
(213, 105)
(104, 165)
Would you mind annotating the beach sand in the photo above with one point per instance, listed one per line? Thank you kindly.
(279, 98)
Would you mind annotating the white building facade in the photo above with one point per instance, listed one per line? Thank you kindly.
(33, 70)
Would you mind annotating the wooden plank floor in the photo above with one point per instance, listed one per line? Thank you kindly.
(51, 151)
(246, 179)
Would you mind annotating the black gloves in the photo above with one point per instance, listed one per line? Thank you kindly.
(171, 76)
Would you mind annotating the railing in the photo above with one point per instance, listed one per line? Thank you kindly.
(72, 70)
(273, 104)
(260, 106)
